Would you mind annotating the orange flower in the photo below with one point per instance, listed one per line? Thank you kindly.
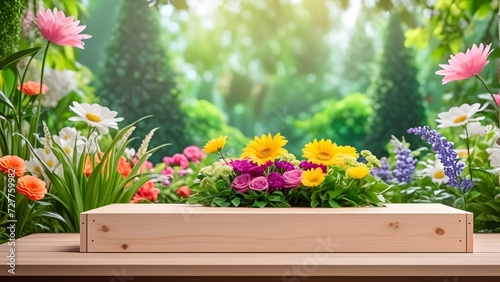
(31, 88)
(146, 192)
(184, 192)
(88, 164)
(12, 164)
(31, 187)
(124, 167)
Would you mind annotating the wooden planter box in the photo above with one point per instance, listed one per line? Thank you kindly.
(189, 228)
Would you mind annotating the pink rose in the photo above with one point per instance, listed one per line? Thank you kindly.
(241, 182)
(293, 178)
(167, 160)
(180, 159)
(194, 153)
(259, 184)
(169, 171)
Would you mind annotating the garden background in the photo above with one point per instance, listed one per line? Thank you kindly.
(356, 72)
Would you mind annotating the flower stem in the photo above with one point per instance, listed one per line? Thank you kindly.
(489, 91)
(222, 156)
(469, 154)
(34, 126)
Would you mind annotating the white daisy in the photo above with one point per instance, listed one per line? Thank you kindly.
(463, 153)
(494, 155)
(476, 128)
(436, 172)
(458, 116)
(68, 145)
(49, 159)
(69, 134)
(34, 167)
(95, 116)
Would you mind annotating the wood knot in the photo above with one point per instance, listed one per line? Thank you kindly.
(394, 225)
(439, 231)
(104, 228)
(124, 246)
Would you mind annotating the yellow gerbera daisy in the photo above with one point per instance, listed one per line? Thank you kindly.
(322, 152)
(344, 151)
(313, 177)
(358, 172)
(265, 148)
(215, 145)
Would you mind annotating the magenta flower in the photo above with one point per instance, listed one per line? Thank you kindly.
(242, 182)
(169, 172)
(179, 159)
(59, 29)
(466, 65)
(292, 178)
(259, 184)
(194, 154)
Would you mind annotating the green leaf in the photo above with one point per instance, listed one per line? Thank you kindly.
(236, 201)
(259, 204)
(333, 204)
(222, 202)
(14, 58)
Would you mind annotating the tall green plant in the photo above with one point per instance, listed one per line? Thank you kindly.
(397, 100)
(137, 78)
(10, 26)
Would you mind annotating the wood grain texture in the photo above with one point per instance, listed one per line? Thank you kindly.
(185, 228)
(470, 233)
(62, 257)
(83, 232)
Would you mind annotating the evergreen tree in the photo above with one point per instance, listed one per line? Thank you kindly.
(137, 80)
(397, 100)
(10, 26)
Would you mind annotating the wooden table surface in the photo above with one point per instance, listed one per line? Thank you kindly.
(58, 255)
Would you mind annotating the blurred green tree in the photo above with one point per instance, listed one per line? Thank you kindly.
(344, 121)
(137, 79)
(10, 27)
(397, 100)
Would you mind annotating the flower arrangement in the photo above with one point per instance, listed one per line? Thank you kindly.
(266, 175)
(463, 174)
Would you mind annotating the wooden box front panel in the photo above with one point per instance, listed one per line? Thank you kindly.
(182, 228)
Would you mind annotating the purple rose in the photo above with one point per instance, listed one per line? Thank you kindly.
(275, 181)
(293, 178)
(241, 182)
(259, 184)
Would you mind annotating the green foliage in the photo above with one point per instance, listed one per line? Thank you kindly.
(343, 121)
(10, 26)
(137, 79)
(397, 100)
(205, 121)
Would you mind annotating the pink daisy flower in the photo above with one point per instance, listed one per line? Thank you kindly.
(59, 29)
(466, 65)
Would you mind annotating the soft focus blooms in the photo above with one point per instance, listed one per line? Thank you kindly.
(146, 192)
(242, 182)
(247, 166)
(476, 128)
(95, 116)
(194, 154)
(124, 167)
(181, 160)
(384, 172)
(466, 65)
(292, 179)
(183, 172)
(166, 182)
(88, 168)
(92, 143)
(494, 155)
(259, 184)
(215, 145)
(169, 172)
(313, 177)
(276, 181)
(34, 167)
(130, 153)
(184, 192)
(12, 165)
(464, 153)
(32, 187)
(436, 172)
(405, 164)
(31, 88)
(60, 83)
(265, 149)
(458, 116)
(284, 165)
(59, 29)
(49, 159)
(497, 99)
(358, 172)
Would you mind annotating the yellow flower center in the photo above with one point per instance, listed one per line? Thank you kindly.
(439, 174)
(265, 153)
(49, 163)
(324, 156)
(67, 150)
(37, 169)
(314, 179)
(92, 117)
(460, 118)
(462, 154)
(67, 136)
